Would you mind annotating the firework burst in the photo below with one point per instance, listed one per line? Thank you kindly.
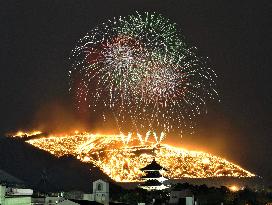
(140, 69)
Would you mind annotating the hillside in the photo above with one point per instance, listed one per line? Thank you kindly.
(43, 171)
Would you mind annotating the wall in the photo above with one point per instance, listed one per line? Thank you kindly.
(2, 194)
(88, 197)
(18, 200)
(189, 201)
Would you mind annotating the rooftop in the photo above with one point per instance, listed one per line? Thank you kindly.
(151, 183)
(153, 166)
(152, 174)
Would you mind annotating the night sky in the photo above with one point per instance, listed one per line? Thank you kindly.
(38, 36)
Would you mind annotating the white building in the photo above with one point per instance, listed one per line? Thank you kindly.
(100, 193)
(15, 196)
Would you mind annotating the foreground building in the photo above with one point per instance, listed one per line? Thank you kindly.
(99, 196)
(15, 196)
(100, 192)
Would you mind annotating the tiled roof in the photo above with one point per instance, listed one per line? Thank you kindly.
(152, 166)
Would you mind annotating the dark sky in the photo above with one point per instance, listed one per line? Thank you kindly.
(38, 36)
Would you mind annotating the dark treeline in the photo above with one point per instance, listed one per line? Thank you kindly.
(202, 194)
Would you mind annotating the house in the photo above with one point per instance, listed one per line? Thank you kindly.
(15, 196)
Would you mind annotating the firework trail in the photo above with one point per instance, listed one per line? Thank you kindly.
(140, 69)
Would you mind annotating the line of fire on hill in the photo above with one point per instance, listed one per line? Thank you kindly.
(154, 189)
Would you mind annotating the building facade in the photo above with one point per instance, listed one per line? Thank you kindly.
(14, 196)
(100, 193)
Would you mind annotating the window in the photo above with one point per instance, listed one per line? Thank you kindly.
(100, 187)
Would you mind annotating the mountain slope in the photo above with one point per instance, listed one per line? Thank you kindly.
(43, 171)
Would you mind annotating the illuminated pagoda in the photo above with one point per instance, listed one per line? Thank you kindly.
(153, 180)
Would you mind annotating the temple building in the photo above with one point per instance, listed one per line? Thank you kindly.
(153, 180)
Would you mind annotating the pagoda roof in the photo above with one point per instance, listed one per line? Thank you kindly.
(153, 166)
(151, 183)
(152, 174)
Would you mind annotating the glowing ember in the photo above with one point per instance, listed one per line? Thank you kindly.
(22, 134)
(234, 188)
(121, 156)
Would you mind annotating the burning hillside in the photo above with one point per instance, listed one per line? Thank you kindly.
(121, 156)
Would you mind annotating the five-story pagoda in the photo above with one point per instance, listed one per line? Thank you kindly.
(153, 180)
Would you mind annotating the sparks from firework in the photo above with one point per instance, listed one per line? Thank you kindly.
(140, 68)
